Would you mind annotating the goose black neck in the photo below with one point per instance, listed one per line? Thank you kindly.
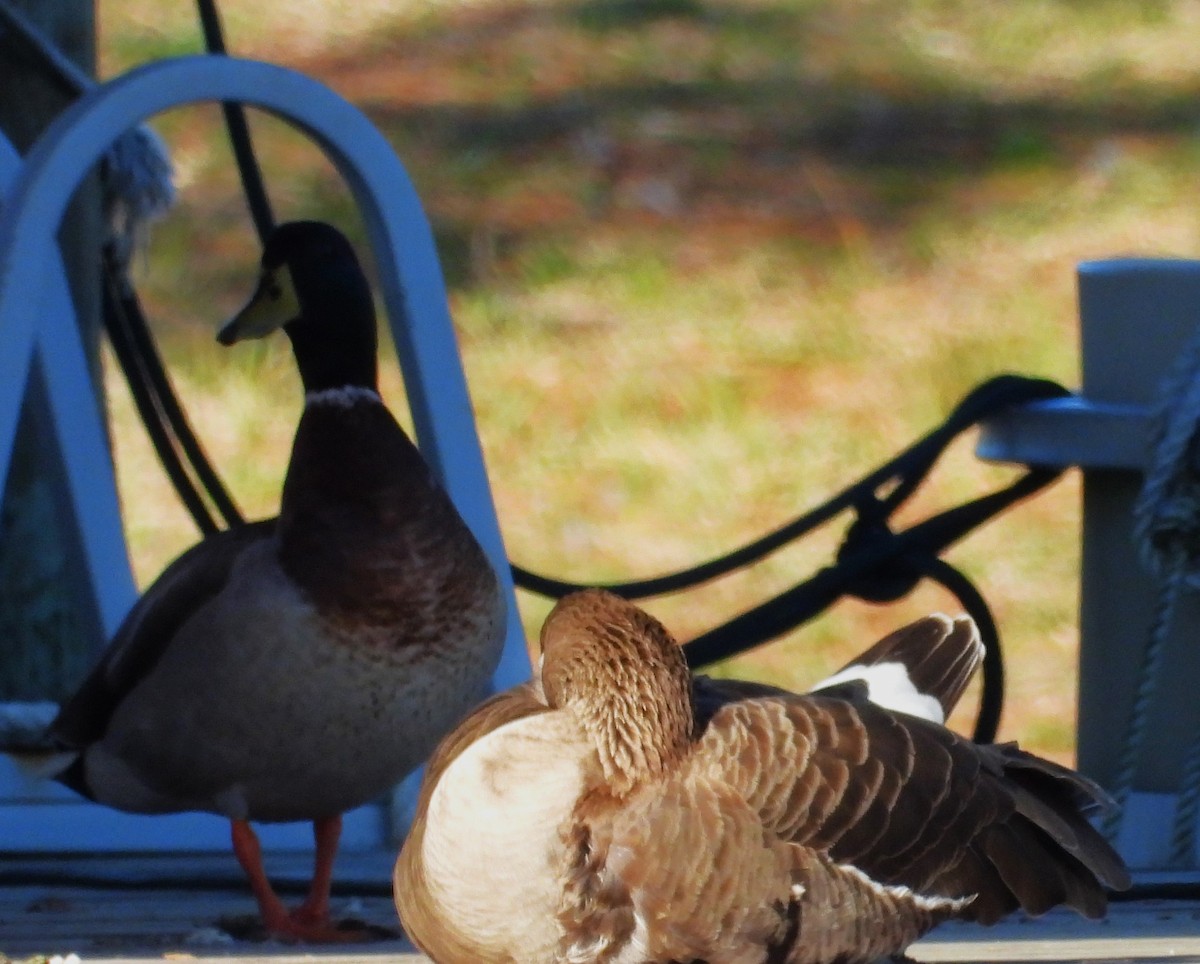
(334, 341)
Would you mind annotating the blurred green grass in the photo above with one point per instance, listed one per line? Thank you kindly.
(709, 262)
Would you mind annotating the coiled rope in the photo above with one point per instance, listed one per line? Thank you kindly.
(1167, 533)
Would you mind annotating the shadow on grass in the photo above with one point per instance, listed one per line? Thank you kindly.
(535, 116)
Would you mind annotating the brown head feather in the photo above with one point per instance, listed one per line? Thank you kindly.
(624, 676)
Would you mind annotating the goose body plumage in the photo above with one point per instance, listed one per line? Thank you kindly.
(295, 668)
(616, 810)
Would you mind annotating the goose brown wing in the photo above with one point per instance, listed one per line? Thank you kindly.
(910, 803)
(189, 582)
(682, 870)
(682, 859)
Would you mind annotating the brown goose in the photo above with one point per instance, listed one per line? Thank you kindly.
(298, 667)
(616, 810)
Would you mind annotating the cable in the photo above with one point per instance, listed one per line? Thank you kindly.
(905, 472)
(157, 405)
(874, 562)
(239, 132)
(991, 697)
(152, 375)
(117, 325)
(852, 574)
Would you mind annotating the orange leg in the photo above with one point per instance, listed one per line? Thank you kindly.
(315, 909)
(310, 922)
(249, 854)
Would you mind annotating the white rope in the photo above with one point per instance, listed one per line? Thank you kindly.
(138, 189)
(1166, 527)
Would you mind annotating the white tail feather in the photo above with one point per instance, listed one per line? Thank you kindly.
(889, 686)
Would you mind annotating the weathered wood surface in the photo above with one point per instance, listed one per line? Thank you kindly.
(118, 925)
(144, 909)
(1149, 931)
(141, 907)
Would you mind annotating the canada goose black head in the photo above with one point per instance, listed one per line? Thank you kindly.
(312, 286)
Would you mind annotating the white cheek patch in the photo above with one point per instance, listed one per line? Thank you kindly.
(889, 686)
(345, 397)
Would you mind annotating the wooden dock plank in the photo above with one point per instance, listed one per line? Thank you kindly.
(1149, 931)
(107, 923)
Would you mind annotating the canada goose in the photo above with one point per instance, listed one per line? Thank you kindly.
(616, 809)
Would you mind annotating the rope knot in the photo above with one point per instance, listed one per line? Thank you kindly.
(892, 578)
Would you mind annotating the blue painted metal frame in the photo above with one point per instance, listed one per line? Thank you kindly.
(36, 315)
(53, 343)
(1070, 431)
(1136, 317)
(1128, 298)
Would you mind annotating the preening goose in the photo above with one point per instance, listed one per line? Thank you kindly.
(616, 810)
(298, 667)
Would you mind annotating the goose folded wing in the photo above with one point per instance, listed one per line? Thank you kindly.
(912, 804)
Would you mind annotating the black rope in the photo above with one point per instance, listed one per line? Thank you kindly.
(854, 573)
(166, 423)
(875, 563)
(117, 325)
(881, 567)
(153, 374)
(130, 337)
(158, 406)
(991, 697)
(239, 132)
(903, 473)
